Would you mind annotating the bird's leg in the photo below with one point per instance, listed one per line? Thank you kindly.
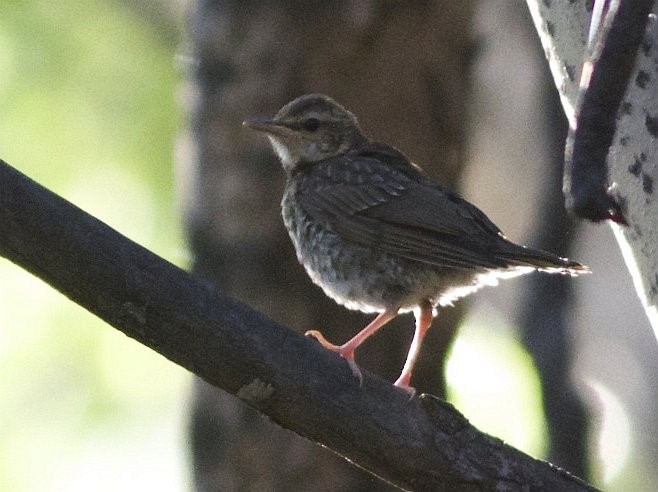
(424, 314)
(346, 351)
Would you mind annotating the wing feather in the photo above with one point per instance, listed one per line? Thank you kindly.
(401, 213)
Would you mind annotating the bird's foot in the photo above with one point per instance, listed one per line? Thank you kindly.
(403, 383)
(345, 351)
(410, 390)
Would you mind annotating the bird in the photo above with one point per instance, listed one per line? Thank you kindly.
(376, 233)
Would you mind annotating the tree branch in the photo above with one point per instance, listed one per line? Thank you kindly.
(420, 443)
(610, 63)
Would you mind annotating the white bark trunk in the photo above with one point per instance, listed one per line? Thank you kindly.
(563, 28)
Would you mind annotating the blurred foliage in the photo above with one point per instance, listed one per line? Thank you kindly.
(87, 108)
(494, 382)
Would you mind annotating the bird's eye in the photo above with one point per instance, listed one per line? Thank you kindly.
(311, 124)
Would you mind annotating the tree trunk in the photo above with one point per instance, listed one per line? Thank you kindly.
(563, 29)
(403, 70)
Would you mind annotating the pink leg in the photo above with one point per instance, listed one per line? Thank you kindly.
(423, 321)
(346, 351)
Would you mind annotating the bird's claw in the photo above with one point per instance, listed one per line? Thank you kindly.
(323, 341)
(403, 383)
(409, 390)
(346, 353)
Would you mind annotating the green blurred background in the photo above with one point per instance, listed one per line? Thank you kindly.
(88, 109)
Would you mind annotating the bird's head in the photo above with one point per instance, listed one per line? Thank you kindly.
(309, 129)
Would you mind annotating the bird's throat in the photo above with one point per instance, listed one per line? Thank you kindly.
(283, 153)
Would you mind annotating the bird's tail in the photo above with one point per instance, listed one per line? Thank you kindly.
(541, 260)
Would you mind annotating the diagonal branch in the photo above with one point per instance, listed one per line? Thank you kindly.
(419, 444)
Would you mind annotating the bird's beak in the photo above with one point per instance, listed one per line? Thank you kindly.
(268, 126)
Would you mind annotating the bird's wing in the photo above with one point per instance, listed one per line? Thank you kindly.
(399, 211)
